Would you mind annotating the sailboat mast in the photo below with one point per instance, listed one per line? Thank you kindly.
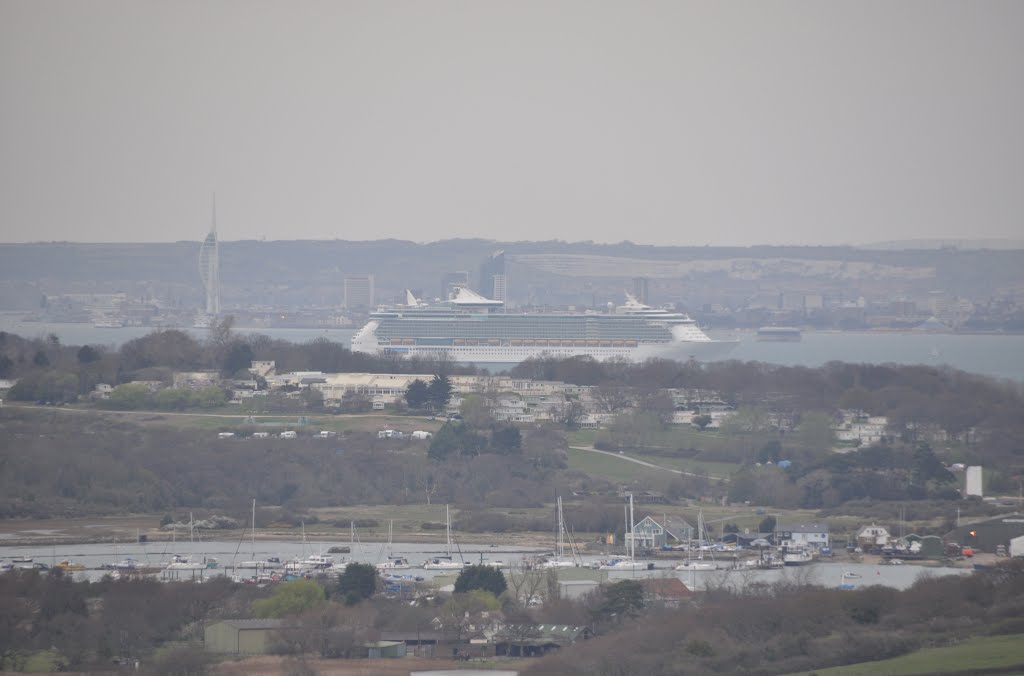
(561, 531)
(448, 529)
(253, 534)
(632, 540)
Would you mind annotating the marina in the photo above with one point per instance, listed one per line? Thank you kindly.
(153, 559)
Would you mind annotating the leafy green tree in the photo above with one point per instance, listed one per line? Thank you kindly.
(815, 432)
(767, 525)
(172, 399)
(702, 421)
(622, 599)
(357, 583)
(439, 391)
(771, 451)
(476, 412)
(506, 439)
(237, 357)
(455, 438)
(88, 354)
(40, 359)
(291, 598)
(927, 467)
(209, 397)
(6, 366)
(417, 395)
(487, 578)
(129, 397)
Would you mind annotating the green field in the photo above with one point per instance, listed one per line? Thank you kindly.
(989, 652)
(601, 465)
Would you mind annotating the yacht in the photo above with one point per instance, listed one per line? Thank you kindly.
(394, 563)
(699, 563)
(629, 562)
(797, 557)
(445, 562)
(559, 560)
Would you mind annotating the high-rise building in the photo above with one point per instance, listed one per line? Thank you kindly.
(493, 279)
(359, 293)
(209, 266)
(452, 281)
(641, 290)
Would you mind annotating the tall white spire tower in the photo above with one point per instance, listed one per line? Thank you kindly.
(209, 266)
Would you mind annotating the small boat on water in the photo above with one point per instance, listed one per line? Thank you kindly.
(184, 563)
(848, 575)
(394, 563)
(21, 559)
(623, 564)
(313, 562)
(443, 563)
(797, 557)
(69, 565)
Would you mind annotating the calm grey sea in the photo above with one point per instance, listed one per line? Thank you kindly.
(999, 356)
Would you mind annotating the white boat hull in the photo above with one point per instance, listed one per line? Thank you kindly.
(443, 566)
(624, 565)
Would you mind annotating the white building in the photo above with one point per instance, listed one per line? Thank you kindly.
(974, 481)
(813, 535)
(873, 536)
(859, 428)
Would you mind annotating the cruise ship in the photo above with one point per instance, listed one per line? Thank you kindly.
(471, 328)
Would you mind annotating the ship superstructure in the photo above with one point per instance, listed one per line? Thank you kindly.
(471, 328)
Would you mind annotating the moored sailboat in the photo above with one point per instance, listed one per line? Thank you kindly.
(445, 562)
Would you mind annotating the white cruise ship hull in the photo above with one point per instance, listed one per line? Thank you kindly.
(681, 351)
(468, 330)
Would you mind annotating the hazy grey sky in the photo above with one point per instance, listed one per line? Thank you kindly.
(659, 122)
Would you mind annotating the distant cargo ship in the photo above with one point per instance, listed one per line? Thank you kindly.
(472, 328)
(778, 334)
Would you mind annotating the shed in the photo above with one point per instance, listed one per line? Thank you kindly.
(240, 637)
(576, 589)
(930, 546)
(666, 591)
(988, 534)
(536, 640)
(381, 649)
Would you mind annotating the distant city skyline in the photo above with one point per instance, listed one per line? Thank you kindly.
(658, 122)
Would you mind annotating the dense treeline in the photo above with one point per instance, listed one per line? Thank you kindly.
(89, 626)
(52, 372)
(976, 411)
(58, 463)
(785, 628)
(737, 626)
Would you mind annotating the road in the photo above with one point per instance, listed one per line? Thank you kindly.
(626, 458)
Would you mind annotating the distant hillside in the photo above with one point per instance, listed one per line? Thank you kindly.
(311, 272)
